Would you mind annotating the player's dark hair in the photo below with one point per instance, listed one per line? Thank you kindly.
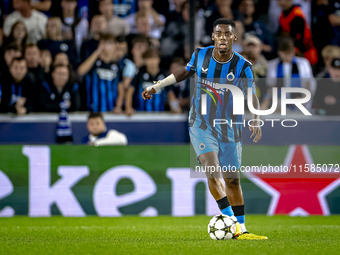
(224, 21)
(17, 60)
(121, 39)
(93, 115)
(151, 53)
(286, 44)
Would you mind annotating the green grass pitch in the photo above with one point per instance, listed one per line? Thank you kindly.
(165, 235)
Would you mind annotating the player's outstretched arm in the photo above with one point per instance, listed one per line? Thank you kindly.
(179, 75)
(255, 128)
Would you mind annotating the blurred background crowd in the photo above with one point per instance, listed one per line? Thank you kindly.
(57, 56)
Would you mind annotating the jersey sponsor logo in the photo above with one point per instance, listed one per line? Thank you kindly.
(106, 74)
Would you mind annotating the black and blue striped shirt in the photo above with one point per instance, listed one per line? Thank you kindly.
(236, 71)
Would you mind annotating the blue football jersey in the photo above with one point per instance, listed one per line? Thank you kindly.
(209, 71)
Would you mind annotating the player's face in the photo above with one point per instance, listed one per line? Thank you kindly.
(95, 126)
(223, 37)
(18, 70)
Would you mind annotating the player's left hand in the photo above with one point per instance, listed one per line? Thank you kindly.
(256, 131)
(147, 94)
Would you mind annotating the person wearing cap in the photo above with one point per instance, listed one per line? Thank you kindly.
(328, 53)
(252, 48)
(288, 71)
(327, 95)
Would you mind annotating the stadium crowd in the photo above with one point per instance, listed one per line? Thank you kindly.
(54, 57)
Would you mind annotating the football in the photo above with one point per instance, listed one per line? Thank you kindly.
(221, 227)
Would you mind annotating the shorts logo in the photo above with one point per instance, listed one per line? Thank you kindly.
(202, 146)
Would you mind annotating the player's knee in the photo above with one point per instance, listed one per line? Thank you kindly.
(232, 182)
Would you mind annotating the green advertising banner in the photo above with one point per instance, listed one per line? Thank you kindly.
(155, 180)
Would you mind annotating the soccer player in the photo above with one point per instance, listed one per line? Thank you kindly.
(219, 145)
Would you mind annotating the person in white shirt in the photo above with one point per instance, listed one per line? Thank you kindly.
(99, 135)
(35, 21)
(115, 25)
(156, 20)
(288, 71)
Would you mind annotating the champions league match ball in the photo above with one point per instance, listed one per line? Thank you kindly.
(221, 227)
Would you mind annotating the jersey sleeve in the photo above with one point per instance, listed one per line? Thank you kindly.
(248, 80)
(191, 66)
(129, 70)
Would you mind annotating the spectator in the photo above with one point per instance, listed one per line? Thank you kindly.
(327, 96)
(254, 27)
(140, 44)
(293, 24)
(177, 33)
(145, 77)
(74, 28)
(98, 26)
(334, 19)
(17, 89)
(321, 25)
(238, 44)
(156, 21)
(328, 54)
(35, 21)
(62, 59)
(289, 71)
(18, 35)
(179, 92)
(115, 25)
(224, 11)
(11, 51)
(99, 136)
(32, 57)
(54, 41)
(128, 71)
(46, 60)
(102, 76)
(58, 91)
(252, 52)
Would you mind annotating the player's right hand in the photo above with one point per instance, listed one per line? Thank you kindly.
(147, 94)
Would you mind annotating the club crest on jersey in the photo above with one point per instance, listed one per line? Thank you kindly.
(202, 146)
(230, 76)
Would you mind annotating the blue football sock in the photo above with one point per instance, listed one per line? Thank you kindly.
(239, 213)
(228, 211)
